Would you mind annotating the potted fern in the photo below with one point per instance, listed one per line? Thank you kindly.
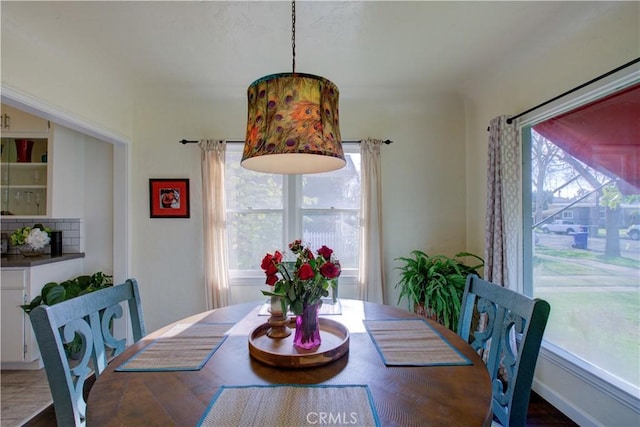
(433, 285)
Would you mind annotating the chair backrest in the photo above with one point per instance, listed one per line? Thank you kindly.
(90, 317)
(507, 334)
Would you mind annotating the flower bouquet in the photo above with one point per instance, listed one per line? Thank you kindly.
(31, 240)
(301, 285)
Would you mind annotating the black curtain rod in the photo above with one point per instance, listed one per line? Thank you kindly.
(628, 64)
(185, 141)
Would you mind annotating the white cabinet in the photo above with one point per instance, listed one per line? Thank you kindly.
(17, 121)
(46, 176)
(19, 285)
(24, 183)
(12, 295)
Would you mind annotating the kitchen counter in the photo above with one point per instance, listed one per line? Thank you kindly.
(22, 279)
(22, 261)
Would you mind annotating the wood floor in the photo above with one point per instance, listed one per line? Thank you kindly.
(25, 394)
(541, 413)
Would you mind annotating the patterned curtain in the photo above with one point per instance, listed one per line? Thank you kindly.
(502, 230)
(215, 237)
(371, 282)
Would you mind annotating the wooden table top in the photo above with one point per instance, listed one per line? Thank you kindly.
(403, 396)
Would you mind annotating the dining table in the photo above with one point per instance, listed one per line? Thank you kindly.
(450, 387)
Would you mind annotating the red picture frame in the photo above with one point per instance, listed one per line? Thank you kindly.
(169, 198)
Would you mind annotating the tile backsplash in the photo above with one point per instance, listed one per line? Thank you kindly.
(72, 231)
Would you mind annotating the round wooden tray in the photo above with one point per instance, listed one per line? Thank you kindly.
(281, 352)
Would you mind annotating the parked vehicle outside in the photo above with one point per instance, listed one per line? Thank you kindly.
(634, 232)
(563, 226)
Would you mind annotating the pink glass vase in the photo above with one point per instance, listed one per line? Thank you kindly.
(23, 150)
(307, 335)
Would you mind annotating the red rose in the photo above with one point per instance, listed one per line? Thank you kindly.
(325, 252)
(271, 280)
(272, 270)
(295, 246)
(329, 270)
(269, 263)
(305, 272)
(308, 254)
(266, 262)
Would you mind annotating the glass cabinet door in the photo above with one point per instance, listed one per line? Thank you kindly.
(23, 176)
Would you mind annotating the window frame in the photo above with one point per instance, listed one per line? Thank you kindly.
(293, 212)
(604, 87)
(602, 380)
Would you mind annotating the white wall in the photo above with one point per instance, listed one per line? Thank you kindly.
(61, 81)
(66, 174)
(167, 253)
(423, 183)
(604, 41)
(98, 205)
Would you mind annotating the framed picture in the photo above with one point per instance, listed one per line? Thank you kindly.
(168, 198)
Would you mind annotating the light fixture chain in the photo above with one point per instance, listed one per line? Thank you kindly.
(293, 34)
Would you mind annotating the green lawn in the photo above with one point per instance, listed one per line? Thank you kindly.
(600, 327)
(568, 255)
(595, 308)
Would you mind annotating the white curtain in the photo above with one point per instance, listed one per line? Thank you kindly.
(215, 239)
(371, 281)
(502, 231)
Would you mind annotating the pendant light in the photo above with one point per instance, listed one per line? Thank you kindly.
(292, 122)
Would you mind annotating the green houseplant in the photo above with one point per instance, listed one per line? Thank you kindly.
(53, 293)
(433, 285)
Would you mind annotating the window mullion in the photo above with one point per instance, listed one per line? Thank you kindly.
(292, 218)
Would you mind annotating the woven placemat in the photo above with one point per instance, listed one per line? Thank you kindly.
(291, 405)
(185, 347)
(412, 342)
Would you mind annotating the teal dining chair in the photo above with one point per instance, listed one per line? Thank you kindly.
(507, 330)
(88, 317)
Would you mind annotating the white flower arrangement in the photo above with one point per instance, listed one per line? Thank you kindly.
(36, 237)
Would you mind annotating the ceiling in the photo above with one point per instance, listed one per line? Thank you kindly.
(220, 47)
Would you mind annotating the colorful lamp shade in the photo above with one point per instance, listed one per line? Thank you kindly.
(293, 125)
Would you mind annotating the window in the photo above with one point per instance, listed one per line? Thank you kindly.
(584, 164)
(265, 212)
